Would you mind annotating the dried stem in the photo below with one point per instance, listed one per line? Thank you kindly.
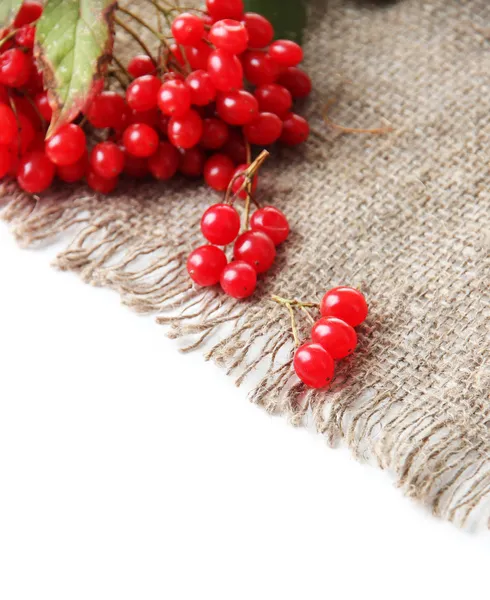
(134, 35)
(248, 176)
(291, 305)
(328, 121)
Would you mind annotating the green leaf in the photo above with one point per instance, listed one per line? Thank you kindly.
(288, 16)
(8, 11)
(73, 45)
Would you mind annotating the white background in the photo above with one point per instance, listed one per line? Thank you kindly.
(130, 471)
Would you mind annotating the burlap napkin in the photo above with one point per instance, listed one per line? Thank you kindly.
(403, 216)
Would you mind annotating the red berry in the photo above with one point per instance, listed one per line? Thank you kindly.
(218, 172)
(28, 13)
(108, 109)
(7, 158)
(225, 9)
(26, 107)
(142, 93)
(271, 221)
(237, 108)
(187, 29)
(175, 56)
(337, 337)
(314, 365)
(8, 128)
(286, 53)
(197, 55)
(107, 160)
(201, 88)
(239, 181)
(220, 224)
(15, 68)
(257, 249)
(101, 184)
(140, 140)
(185, 132)
(296, 81)
(35, 84)
(141, 65)
(259, 68)
(42, 104)
(225, 70)
(345, 303)
(206, 264)
(67, 145)
(192, 162)
(214, 134)
(274, 98)
(75, 172)
(229, 35)
(260, 30)
(174, 98)
(235, 147)
(25, 36)
(150, 117)
(163, 164)
(4, 97)
(135, 166)
(264, 130)
(26, 134)
(239, 280)
(295, 130)
(35, 172)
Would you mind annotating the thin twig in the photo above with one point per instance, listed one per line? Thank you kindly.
(328, 121)
(135, 36)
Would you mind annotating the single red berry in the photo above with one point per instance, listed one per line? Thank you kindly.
(101, 184)
(295, 130)
(141, 65)
(337, 337)
(185, 132)
(142, 93)
(286, 53)
(257, 249)
(220, 224)
(174, 98)
(264, 130)
(345, 303)
(28, 13)
(225, 9)
(218, 172)
(239, 280)
(314, 365)
(140, 140)
(163, 164)
(239, 181)
(67, 145)
(42, 104)
(187, 29)
(26, 133)
(135, 166)
(150, 117)
(15, 68)
(108, 109)
(274, 98)
(4, 97)
(25, 105)
(35, 84)
(271, 221)
(74, 172)
(214, 134)
(229, 35)
(107, 160)
(259, 68)
(235, 147)
(192, 162)
(201, 88)
(260, 30)
(7, 157)
(237, 108)
(205, 265)
(8, 128)
(35, 172)
(197, 55)
(25, 36)
(296, 81)
(225, 70)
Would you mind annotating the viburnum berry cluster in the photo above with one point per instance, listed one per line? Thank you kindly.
(254, 250)
(222, 84)
(333, 336)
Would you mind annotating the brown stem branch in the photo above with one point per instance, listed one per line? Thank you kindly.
(135, 36)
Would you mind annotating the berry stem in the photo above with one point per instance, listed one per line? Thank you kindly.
(291, 305)
(134, 35)
(247, 175)
(328, 121)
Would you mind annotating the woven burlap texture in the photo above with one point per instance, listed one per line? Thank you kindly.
(405, 217)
